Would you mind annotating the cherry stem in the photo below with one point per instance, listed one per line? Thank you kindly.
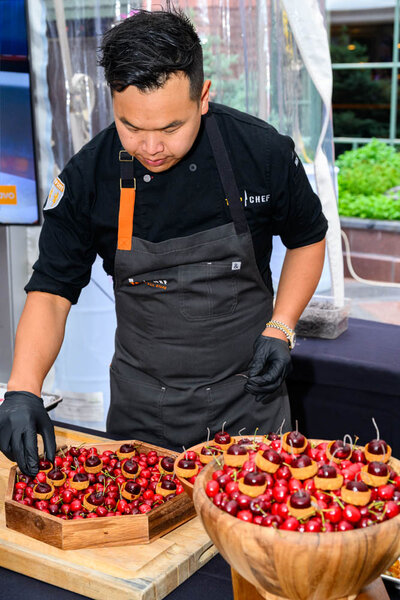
(347, 436)
(254, 436)
(223, 425)
(240, 431)
(208, 435)
(281, 427)
(376, 427)
(297, 426)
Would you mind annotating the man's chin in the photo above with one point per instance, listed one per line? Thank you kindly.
(158, 165)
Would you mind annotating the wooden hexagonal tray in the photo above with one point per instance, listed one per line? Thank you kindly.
(104, 531)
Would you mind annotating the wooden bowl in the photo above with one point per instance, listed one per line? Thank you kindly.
(299, 566)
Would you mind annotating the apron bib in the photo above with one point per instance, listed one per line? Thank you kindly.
(188, 312)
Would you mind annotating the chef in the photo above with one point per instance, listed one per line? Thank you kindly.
(180, 197)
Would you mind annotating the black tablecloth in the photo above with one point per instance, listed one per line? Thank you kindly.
(337, 386)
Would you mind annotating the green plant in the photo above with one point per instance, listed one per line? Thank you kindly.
(365, 175)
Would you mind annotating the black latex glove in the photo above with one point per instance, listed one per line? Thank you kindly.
(22, 417)
(270, 366)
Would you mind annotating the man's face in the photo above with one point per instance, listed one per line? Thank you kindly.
(159, 127)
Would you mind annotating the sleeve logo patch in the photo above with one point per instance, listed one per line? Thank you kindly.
(55, 194)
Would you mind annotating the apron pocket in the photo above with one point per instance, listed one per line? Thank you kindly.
(185, 417)
(135, 409)
(231, 403)
(207, 290)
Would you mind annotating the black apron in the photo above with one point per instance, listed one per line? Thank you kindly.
(188, 312)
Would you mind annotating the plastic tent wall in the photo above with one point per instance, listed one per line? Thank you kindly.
(267, 57)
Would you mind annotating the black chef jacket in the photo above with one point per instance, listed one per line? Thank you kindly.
(276, 195)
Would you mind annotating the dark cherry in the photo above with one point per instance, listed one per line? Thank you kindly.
(327, 472)
(167, 463)
(126, 448)
(80, 477)
(231, 507)
(299, 462)
(55, 474)
(378, 468)
(254, 478)
(96, 498)
(357, 486)
(92, 461)
(210, 451)
(222, 437)
(44, 464)
(300, 499)
(185, 463)
(295, 439)
(43, 488)
(237, 450)
(168, 485)
(377, 447)
(273, 456)
(132, 488)
(74, 451)
(54, 509)
(245, 442)
(272, 436)
(340, 449)
(131, 467)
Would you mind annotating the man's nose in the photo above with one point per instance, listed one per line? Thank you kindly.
(152, 143)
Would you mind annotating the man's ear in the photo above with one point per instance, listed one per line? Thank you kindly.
(205, 96)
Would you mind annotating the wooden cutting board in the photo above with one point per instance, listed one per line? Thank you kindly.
(139, 572)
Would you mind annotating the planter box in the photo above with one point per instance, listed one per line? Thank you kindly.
(375, 248)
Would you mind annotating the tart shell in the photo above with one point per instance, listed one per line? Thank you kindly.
(45, 495)
(378, 457)
(326, 483)
(356, 498)
(162, 491)
(304, 472)
(252, 490)
(291, 449)
(372, 480)
(79, 485)
(131, 475)
(235, 460)
(264, 464)
(56, 482)
(301, 513)
(128, 495)
(334, 458)
(87, 505)
(186, 473)
(95, 469)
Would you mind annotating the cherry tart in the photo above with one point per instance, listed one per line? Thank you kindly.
(92, 501)
(294, 442)
(375, 473)
(377, 451)
(166, 487)
(328, 478)
(93, 464)
(126, 451)
(268, 460)
(186, 468)
(236, 455)
(43, 491)
(356, 492)
(207, 453)
(303, 467)
(338, 450)
(166, 465)
(80, 481)
(45, 465)
(300, 505)
(56, 477)
(223, 440)
(253, 484)
(130, 469)
(130, 490)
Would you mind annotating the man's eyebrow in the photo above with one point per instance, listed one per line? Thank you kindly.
(176, 123)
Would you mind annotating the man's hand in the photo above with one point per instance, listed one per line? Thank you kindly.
(22, 417)
(270, 366)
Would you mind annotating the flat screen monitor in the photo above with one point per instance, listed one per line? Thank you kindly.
(18, 190)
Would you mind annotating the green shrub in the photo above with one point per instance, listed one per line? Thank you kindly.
(365, 175)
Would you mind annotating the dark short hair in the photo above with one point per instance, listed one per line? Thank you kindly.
(145, 49)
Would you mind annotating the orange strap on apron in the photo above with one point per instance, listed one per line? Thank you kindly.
(126, 201)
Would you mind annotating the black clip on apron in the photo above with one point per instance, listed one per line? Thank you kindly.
(188, 312)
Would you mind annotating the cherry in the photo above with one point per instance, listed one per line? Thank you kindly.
(299, 462)
(357, 486)
(290, 524)
(127, 448)
(80, 477)
(41, 477)
(42, 488)
(55, 475)
(132, 487)
(295, 485)
(391, 509)
(54, 509)
(295, 439)
(259, 506)
(245, 515)
(186, 463)
(377, 447)
(300, 499)
(279, 493)
(272, 456)
(244, 501)
(44, 464)
(222, 437)
(168, 485)
(272, 436)
(386, 492)
(96, 498)
(344, 526)
(284, 472)
(76, 505)
(237, 450)
(340, 449)
(378, 468)
(358, 456)
(254, 478)
(327, 472)
(313, 526)
(92, 461)
(231, 487)
(272, 521)
(334, 513)
(351, 513)
(232, 507)
(210, 451)
(131, 467)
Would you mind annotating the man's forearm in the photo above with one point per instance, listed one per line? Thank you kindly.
(39, 337)
(300, 275)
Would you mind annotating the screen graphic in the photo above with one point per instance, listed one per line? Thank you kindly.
(18, 191)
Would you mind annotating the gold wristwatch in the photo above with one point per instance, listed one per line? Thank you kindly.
(290, 334)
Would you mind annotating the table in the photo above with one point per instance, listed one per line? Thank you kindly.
(337, 386)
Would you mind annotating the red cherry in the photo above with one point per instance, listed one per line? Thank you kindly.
(231, 507)
(283, 511)
(309, 485)
(271, 521)
(280, 493)
(245, 515)
(351, 513)
(334, 514)
(217, 474)
(313, 526)
(391, 509)
(328, 527)
(284, 472)
(101, 511)
(396, 481)
(344, 526)
(385, 492)
(67, 496)
(41, 477)
(244, 501)
(231, 486)
(358, 456)
(76, 505)
(144, 508)
(290, 524)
